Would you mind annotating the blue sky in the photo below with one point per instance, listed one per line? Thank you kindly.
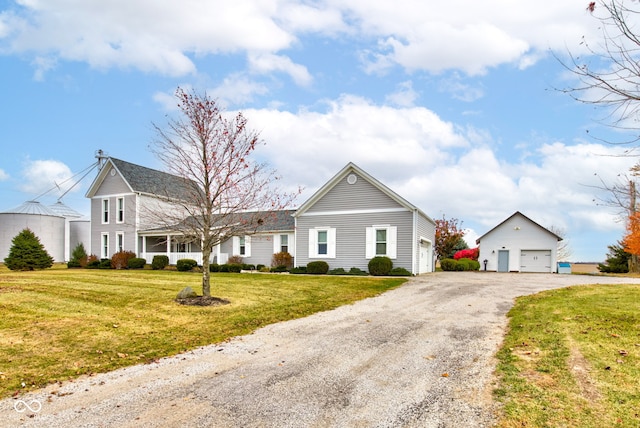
(450, 105)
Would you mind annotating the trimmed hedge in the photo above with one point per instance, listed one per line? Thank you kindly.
(318, 267)
(459, 265)
(136, 263)
(159, 262)
(186, 265)
(380, 266)
(399, 271)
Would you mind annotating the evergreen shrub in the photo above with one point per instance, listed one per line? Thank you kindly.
(380, 266)
(319, 267)
(186, 265)
(159, 262)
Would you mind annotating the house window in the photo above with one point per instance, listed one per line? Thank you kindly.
(381, 241)
(242, 246)
(119, 241)
(105, 211)
(284, 243)
(120, 208)
(322, 242)
(104, 246)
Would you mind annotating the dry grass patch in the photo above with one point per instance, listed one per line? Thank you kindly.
(58, 324)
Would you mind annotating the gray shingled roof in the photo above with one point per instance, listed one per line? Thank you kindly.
(151, 181)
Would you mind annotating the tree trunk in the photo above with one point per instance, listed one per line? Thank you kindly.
(206, 277)
(633, 264)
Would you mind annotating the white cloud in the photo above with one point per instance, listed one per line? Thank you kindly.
(404, 96)
(441, 168)
(267, 63)
(165, 36)
(3, 175)
(40, 176)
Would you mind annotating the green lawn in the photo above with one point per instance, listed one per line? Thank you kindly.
(571, 358)
(58, 323)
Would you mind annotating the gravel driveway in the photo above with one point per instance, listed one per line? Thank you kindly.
(417, 356)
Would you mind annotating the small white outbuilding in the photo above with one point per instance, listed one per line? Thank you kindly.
(519, 244)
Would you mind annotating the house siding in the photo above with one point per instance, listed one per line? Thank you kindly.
(128, 227)
(362, 195)
(112, 184)
(351, 237)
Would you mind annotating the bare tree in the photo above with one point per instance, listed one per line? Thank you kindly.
(564, 249)
(609, 76)
(232, 193)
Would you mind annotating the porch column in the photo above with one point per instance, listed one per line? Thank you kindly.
(144, 247)
(169, 247)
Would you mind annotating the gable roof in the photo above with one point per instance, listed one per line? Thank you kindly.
(145, 180)
(518, 213)
(351, 167)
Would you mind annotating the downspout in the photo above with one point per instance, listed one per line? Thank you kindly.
(415, 252)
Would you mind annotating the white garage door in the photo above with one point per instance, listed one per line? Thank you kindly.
(535, 261)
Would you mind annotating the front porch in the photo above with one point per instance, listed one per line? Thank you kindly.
(175, 249)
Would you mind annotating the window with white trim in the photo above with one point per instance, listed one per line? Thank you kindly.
(381, 240)
(242, 246)
(120, 210)
(105, 211)
(119, 241)
(322, 242)
(284, 243)
(104, 246)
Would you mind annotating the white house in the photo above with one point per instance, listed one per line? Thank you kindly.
(348, 221)
(519, 244)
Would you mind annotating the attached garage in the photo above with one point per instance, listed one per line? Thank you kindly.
(535, 261)
(519, 244)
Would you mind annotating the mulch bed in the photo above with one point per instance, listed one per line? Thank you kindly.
(203, 301)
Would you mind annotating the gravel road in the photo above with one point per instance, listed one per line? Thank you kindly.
(417, 356)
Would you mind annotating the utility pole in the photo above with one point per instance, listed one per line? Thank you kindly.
(633, 260)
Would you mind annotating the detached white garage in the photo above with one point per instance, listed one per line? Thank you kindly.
(519, 244)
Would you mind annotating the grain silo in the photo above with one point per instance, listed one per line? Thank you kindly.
(77, 229)
(45, 223)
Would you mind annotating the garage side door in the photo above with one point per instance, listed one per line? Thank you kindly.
(535, 261)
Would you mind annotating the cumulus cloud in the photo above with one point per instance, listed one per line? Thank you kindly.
(40, 176)
(442, 168)
(165, 36)
(3, 175)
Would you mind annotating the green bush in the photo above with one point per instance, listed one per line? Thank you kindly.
(259, 267)
(278, 269)
(318, 267)
(234, 267)
(459, 265)
(159, 262)
(136, 263)
(380, 266)
(104, 264)
(337, 271)
(186, 265)
(448, 264)
(399, 271)
(357, 271)
(27, 253)
(298, 270)
(247, 266)
(214, 267)
(94, 264)
(73, 264)
(79, 257)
